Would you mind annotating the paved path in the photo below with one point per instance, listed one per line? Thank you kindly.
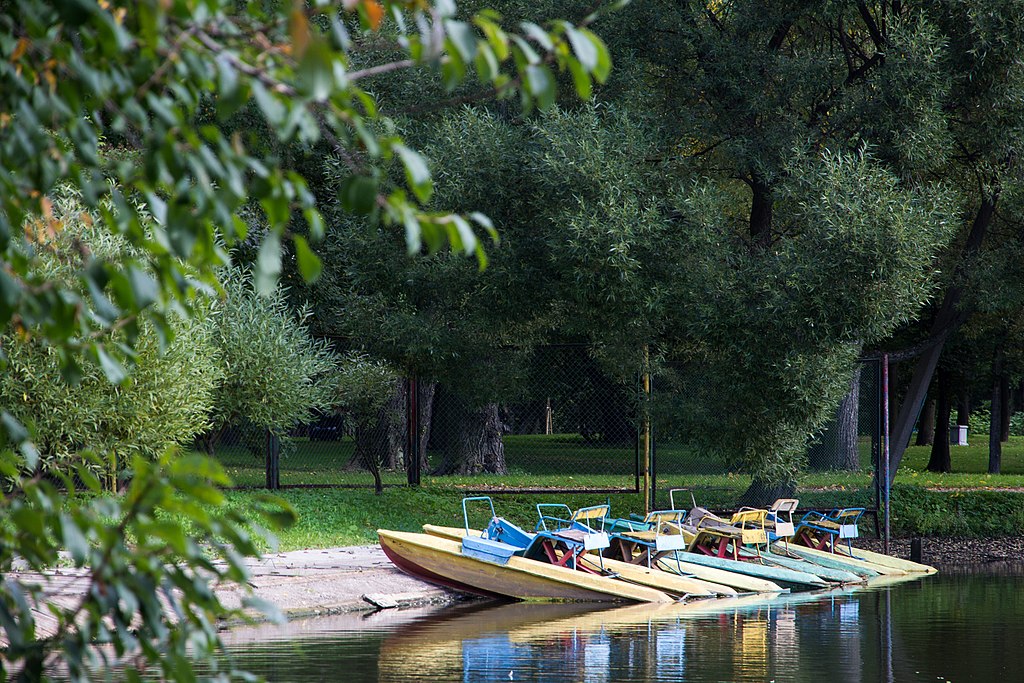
(301, 583)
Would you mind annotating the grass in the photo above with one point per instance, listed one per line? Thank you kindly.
(567, 462)
(339, 517)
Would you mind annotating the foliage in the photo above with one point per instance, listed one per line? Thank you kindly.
(123, 103)
(275, 375)
(364, 385)
(141, 569)
(167, 398)
(141, 75)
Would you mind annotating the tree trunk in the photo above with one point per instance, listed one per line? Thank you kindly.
(926, 425)
(940, 460)
(762, 493)
(468, 438)
(1007, 407)
(380, 441)
(947, 319)
(963, 408)
(839, 447)
(427, 391)
(995, 428)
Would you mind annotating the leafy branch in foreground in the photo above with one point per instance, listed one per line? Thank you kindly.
(149, 593)
(79, 80)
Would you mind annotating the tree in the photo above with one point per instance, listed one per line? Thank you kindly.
(276, 376)
(114, 99)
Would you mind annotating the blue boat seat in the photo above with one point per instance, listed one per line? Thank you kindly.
(487, 550)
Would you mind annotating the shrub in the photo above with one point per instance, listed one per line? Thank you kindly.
(166, 399)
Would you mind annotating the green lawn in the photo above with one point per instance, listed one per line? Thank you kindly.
(567, 462)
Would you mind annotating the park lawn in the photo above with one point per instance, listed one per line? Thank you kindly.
(567, 462)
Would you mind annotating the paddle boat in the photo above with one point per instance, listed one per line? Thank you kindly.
(579, 523)
(827, 531)
(505, 561)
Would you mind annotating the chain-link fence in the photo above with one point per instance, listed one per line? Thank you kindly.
(554, 418)
(844, 455)
(550, 418)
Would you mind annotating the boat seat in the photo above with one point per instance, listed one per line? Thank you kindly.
(487, 550)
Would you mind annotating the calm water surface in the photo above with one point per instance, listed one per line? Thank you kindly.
(960, 625)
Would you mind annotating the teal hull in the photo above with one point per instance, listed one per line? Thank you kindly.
(834, 562)
(788, 578)
(826, 573)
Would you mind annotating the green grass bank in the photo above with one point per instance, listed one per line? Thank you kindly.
(341, 517)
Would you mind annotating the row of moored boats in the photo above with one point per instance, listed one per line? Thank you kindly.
(665, 556)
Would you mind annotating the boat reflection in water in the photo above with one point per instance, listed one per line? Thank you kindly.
(753, 638)
(953, 627)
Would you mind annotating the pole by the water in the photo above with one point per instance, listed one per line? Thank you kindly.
(645, 456)
(885, 448)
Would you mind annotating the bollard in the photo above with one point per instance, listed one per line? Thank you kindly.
(915, 550)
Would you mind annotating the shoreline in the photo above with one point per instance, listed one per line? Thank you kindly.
(361, 579)
(356, 580)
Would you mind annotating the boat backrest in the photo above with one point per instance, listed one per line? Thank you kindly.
(488, 550)
(543, 518)
(751, 523)
(598, 512)
(465, 509)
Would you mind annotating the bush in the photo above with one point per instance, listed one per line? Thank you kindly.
(166, 400)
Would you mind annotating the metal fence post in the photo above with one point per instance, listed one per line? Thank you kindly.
(645, 461)
(412, 437)
(885, 445)
(273, 459)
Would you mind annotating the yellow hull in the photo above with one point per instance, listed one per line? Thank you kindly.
(441, 560)
(654, 578)
(854, 561)
(887, 560)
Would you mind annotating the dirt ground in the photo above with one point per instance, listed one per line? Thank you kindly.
(941, 552)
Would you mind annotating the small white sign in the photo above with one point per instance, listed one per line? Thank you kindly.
(670, 542)
(784, 529)
(848, 531)
(596, 541)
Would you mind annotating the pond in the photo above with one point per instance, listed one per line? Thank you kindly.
(960, 625)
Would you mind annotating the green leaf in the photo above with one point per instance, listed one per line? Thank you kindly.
(268, 264)
(358, 194)
(417, 173)
(316, 71)
(309, 263)
(143, 286)
(12, 428)
(541, 85)
(74, 540)
(580, 78)
(539, 35)
(462, 38)
(273, 110)
(585, 49)
(111, 367)
(604, 59)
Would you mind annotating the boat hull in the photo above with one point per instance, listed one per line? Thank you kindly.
(741, 582)
(654, 578)
(886, 560)
(784, 577)
(440, 560)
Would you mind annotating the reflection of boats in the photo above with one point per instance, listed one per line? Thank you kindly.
(655, 578)
(442, 561)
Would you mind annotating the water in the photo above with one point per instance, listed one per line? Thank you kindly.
(956, 626)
